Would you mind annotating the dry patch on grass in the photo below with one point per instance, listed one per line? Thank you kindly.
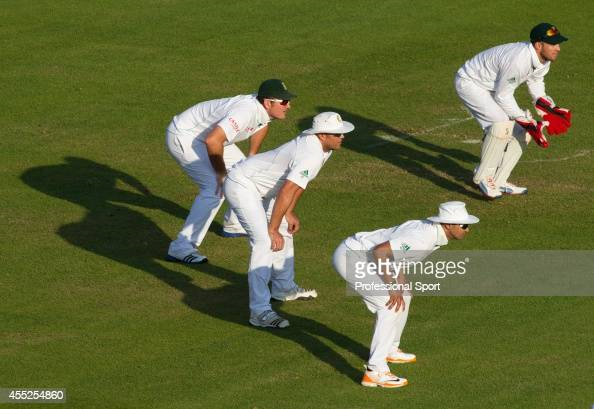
(11, 342)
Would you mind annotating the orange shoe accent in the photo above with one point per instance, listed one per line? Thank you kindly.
(386, 380)
(401, 361)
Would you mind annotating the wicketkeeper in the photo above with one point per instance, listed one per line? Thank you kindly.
(486, 85)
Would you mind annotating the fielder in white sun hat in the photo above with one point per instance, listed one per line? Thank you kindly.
(453, 213)
(329, 123)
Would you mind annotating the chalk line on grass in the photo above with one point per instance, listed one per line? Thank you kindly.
(578, 154)
(390, 138)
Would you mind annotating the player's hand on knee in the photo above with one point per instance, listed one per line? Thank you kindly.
(293, 222)
(396, 301)
(535, 129)
(276, 240)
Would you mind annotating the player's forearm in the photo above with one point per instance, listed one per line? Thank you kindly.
(384, 261)
(256, 141)
(283, 201)
(215, 146)
(296, 197)
(510, 106)
(215, 151)
(504, 96)
(536, 89)
(217, 161)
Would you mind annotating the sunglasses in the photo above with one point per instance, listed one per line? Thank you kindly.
(280, 101)
(464, 226)
(552, 32)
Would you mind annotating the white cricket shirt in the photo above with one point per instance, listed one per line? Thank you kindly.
(298, 160)
(413, 240)
(504, 68)
(240, 117)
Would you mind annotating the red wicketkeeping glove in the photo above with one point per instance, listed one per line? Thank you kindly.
(535, 130)
(556, 125)
(559, 119)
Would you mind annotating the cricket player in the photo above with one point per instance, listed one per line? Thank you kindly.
(412, 242)
(202, 140)
(486, 84)
(263, 191)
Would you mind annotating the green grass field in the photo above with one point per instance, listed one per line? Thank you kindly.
(91, 199)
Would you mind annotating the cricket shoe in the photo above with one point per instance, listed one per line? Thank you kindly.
(511, 189)
(296, 293)
(399, 357)
(489, 189)
(374, 379)
(192, 258)
(269, 319)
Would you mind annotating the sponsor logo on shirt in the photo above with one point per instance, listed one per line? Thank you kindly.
(234, 124)
(304, 174)
(404, 247)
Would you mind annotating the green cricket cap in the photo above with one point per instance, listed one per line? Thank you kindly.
(275, 88)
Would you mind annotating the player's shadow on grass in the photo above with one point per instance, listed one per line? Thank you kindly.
(412, 154)
(112, 229)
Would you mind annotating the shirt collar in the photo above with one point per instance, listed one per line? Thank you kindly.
(263, 117)
(442, 240)
(535, 60)
(314, 141)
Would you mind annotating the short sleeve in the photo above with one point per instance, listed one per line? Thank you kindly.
(237, 120)
(409, 249)
(305, 168)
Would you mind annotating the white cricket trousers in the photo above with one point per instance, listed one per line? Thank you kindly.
(266, 267)
(480, 102)
(191, 154)
(486, 111)
(389, 325)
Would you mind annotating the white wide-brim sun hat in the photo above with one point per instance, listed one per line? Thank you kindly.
(453, 213)
(329, 122)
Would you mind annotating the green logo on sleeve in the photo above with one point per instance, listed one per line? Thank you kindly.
(404, 247)
(304, 174)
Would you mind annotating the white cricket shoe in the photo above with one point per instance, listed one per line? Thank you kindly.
(374, 379)
(400, 357)
(296, 293)
(511, 189)
(192, 258)
(269, 319)
(489, 189)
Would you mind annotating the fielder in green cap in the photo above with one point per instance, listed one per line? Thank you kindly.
(486, 84)
(202, 140)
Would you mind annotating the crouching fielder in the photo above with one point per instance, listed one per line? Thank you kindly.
(411, 241)
(263, 191)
